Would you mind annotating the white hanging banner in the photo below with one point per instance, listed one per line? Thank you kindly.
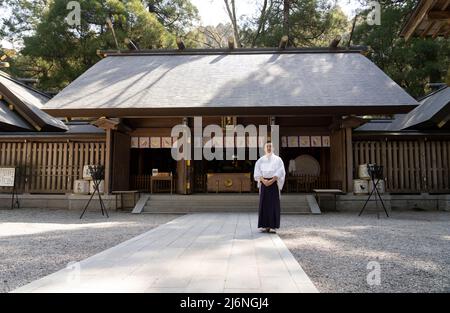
(7, 176)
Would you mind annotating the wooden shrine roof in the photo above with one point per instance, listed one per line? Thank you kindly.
(432, 113)
(196, 81)
(26, 104)
(430, 18)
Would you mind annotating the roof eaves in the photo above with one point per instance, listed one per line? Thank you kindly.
(9, 77)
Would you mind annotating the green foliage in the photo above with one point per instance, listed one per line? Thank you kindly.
(411, 64)
(176, 15)
(311, 23)
(57, 53)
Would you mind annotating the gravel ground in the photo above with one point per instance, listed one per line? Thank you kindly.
(38, 242)
(334, 249)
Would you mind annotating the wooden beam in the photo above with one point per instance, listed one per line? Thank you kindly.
(130, 44)
(283, 42)
(100, 53)
(106, 123)
(446, 5)
(347, 122)
(335, 42)
(427, 29)
(438, 30)
(230, 43)
(446, 34)
(436, 15)
(416, 19)
(180, 44)
(444, 121)
(112, 123)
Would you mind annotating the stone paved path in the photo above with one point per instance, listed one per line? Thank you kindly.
(204, 252)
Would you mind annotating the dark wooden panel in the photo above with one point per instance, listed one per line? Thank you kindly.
(121, 161)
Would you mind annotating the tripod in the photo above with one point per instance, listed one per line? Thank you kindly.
(375, 172)
(97, 173)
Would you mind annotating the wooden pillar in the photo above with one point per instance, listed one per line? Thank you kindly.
(108, 161)
(120, 165)
(184, 183)
(341, 167)
(181, 177)
(349, 158)
(28, 166)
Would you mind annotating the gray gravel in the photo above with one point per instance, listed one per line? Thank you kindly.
(38, 242)
(334, 249)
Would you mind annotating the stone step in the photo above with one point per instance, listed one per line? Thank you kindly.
(223, 210)
(166, 203)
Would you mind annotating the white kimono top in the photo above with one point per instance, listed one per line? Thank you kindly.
(269, 166)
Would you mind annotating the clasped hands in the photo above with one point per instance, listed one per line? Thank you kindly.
(268, 182)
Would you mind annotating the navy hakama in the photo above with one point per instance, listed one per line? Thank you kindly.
(267, 167)
(269, 207)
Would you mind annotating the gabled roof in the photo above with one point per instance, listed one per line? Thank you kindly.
(267, 79)
(433, 109)
(76, 129)
(432, 113)
(10, 120)
(27, 104)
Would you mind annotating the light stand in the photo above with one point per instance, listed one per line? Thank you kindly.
(376, 174)
(97, 173)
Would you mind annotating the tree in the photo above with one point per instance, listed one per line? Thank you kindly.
(306, 22)
(411, 64)
(210, 36)
(176, 15)
(23, 16)
(56, 52)
(231, 10)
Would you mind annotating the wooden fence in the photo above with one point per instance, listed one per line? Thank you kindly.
(49, 167)
(409, 166)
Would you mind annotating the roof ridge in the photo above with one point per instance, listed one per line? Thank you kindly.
(14, 80)
(221, 51)
(433, 93)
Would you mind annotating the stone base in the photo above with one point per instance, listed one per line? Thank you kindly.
(351, 202)
(67, 201)
(392, 202)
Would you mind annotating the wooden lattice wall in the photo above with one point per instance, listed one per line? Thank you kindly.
(50, 167)
(410, 165)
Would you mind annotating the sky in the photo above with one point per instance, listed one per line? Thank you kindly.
(213, 12)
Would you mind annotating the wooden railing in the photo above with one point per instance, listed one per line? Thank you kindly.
(409, 166)
(143, 182)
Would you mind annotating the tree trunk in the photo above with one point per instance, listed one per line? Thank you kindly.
(261, 21)
(232, 15)
(286, 7)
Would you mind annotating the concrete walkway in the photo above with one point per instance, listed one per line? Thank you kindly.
(204, 252)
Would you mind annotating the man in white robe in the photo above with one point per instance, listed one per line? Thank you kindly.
(270, 174)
